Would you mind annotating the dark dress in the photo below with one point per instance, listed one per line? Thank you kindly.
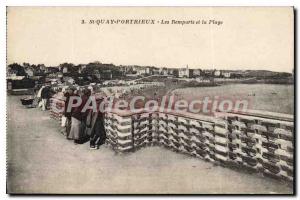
(78, 118)
(95, 128)
(67, 114)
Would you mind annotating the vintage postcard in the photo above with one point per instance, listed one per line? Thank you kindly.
(150, 100)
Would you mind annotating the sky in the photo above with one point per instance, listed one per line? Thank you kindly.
(248, 38)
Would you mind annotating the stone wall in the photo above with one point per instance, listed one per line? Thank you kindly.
(259, 141)
(256, 140)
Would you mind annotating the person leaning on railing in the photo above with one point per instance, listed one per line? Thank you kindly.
(67, 114)
(95, 127)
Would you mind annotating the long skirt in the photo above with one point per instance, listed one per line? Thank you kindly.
(68, 127)
(44, 104)
(97, 134)
(76, 129)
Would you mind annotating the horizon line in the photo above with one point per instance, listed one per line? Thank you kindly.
(131, 65)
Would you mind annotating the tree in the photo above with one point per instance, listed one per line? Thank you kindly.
(70, 66)
(18, 69)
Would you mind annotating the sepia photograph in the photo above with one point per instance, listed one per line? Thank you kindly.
(150, 100)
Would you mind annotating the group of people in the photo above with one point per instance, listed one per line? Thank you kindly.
(77, 124)
(82, 125)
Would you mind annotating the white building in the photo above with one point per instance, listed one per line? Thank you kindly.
(65, 69)
(217, 73)
(184, 72)
(142, 71)
(164, 72)
(148, 70)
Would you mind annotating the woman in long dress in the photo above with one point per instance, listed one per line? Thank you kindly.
(68, 114)
(78, 120)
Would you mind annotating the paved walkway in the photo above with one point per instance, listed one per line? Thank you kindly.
(40, 160)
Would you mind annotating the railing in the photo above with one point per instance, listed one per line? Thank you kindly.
(256, 140)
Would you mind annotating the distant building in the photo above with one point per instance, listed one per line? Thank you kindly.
(42, 67)
(11, 72)
(135, 68)
(208, 72)
(59, 74)
(163, 71)
(197, 72)
(142, 71)
(171, 72)
(155, 71)
(65, 70)
(148, 70)
(175, 72)
(97, 73)
(185, 72)
(160, 70)
(226, 74)
(51, 70)
(145, 71)
(68, 79)
(217, 73)
(122, 69)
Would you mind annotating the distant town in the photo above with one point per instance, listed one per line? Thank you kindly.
(110, 74)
